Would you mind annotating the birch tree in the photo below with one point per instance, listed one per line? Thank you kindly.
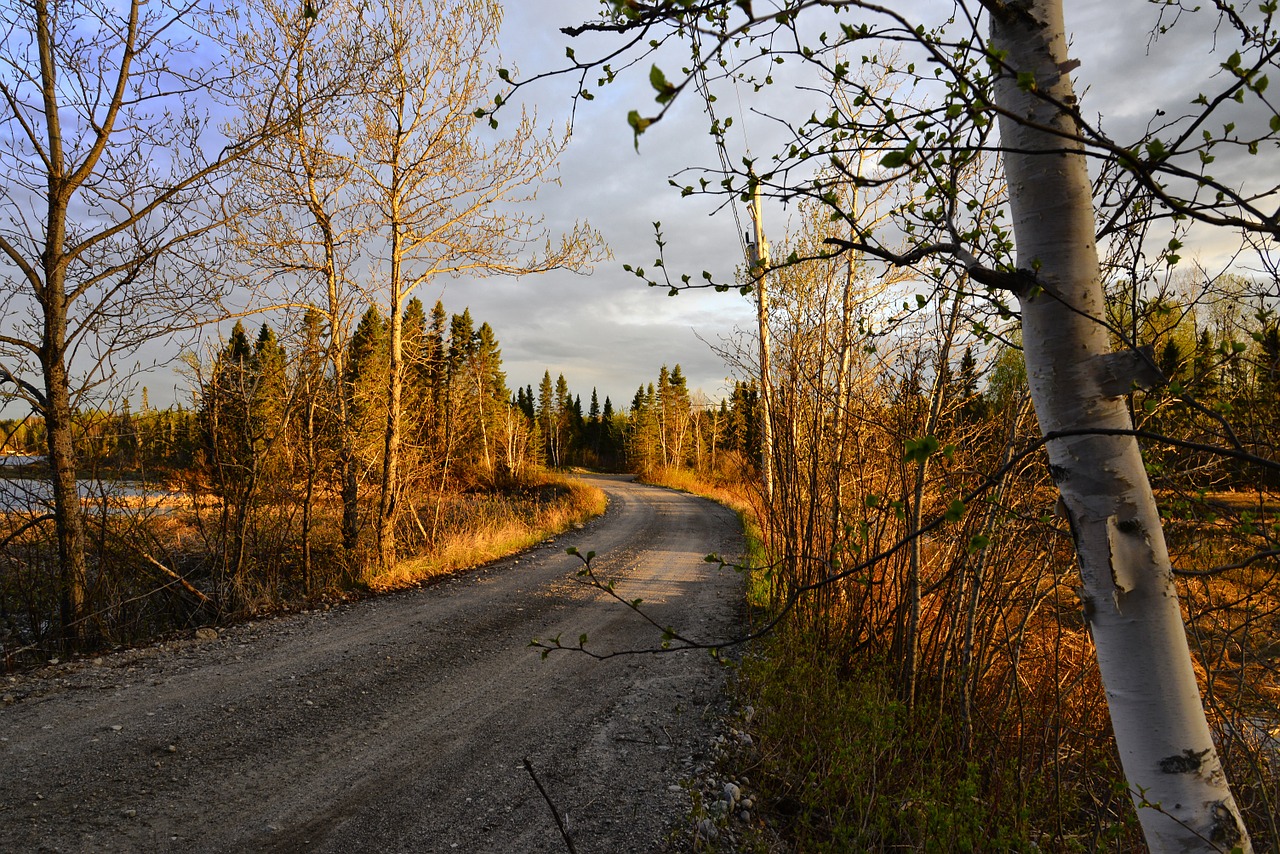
(1077, 386)
(445, 198)
(1004, 63)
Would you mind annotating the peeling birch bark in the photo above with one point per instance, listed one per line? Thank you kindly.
(1174, 775)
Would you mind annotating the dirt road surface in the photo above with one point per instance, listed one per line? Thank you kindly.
(396, 724)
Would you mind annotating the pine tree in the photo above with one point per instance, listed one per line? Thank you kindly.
(548, 418)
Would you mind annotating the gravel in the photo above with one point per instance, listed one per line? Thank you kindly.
(401, 723)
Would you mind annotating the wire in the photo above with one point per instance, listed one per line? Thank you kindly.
(701, 83)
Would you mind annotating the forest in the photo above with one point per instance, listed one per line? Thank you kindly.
(239, 503)
(1004, 446)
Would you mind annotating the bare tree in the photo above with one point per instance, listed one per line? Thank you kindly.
(445, 200)
(108, 195)
(298, 218)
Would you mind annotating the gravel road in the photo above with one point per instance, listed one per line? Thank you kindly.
(397, 724)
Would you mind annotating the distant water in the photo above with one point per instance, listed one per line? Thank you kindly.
(19, 459)
(27, 494)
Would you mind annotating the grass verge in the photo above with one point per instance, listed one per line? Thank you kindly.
(480, 529)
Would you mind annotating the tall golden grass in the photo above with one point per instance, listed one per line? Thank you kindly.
(480, 529)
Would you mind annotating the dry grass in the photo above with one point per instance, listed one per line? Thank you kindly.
(484, 529)
(733, 495)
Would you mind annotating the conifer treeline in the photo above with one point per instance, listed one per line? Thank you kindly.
(264, 412)
(280, 462)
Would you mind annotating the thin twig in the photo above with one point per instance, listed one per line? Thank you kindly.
(564, 832)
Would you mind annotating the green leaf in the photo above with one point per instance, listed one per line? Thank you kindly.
(658, 81)
(919, 450)
(894, 160)
(955, 512)
(639, 125)
(978, 542)
(504, 74)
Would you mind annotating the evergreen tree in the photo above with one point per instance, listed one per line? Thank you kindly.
(548, 419)
(365, 387)
(270, 395)
(416, 392)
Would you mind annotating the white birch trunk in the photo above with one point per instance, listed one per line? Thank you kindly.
(1129, 597)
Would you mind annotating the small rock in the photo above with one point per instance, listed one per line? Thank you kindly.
(707, 830)
(173, 748)
(732, 793)
(675, 788)
(745, 815)
(129, 813)
(116, 727)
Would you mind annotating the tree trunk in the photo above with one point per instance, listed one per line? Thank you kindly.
(1129, 596)
(68, 512)
(309, 487)
(911, 641)
(395, 385)
(337, 353)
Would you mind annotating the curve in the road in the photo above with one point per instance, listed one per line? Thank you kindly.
(398, 723)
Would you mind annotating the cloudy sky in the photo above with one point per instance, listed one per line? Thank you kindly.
(610, 331)
(607, 330)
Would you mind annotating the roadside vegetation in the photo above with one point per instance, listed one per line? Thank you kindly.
(998, 737)
(238, 504)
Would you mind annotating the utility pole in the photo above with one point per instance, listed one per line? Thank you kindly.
(759, 252)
